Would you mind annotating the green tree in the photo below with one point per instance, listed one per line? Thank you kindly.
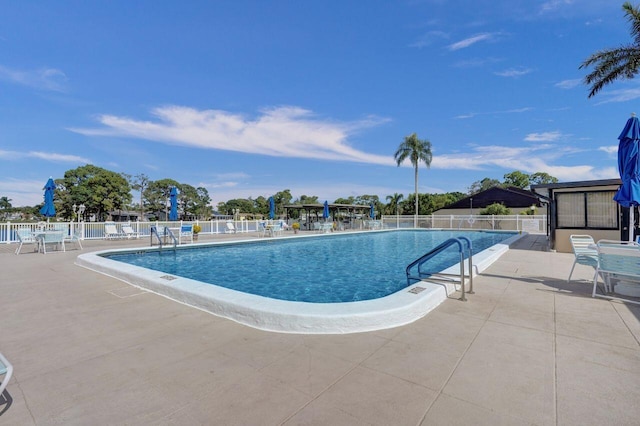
(100, 190)
(541, 178)
(483, 185)
(308, 199)
(497, 209)
(156, 197)
(394, 202)
(281, 199)
(417, 151)
(616, 63)
(5, 203)
(350, 200)
(517, 179)
(139, 183)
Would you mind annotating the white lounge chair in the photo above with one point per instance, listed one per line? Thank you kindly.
(230, 228)
(262, 229)
(6, 369)
(127, 231)
(110, 231)
(25, 236)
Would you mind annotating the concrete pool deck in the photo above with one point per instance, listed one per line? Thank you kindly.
(527, 348)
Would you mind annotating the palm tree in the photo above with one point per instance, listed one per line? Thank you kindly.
(416, 151)
(394, 200)
(617, 63)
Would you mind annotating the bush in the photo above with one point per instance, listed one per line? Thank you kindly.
(196, 229)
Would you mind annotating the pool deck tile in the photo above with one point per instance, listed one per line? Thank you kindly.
(527, 349)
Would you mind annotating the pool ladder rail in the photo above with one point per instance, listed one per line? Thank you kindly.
(166, 233)
(421, 274)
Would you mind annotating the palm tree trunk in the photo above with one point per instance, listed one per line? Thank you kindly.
(415, 217)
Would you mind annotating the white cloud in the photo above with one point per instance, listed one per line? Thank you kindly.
(612, 149)
(462, 44)
(622, 95)
(47, 156)
(513, 72)
(428, 38)
(568, 84)
(543, 137)
(552, 5)
(286, 131)
(44, 79)
(508, 111)
(22, 192)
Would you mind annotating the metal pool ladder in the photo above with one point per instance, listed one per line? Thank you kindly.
(432, 276)
(166, 233)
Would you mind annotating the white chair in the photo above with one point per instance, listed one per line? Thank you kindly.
(128, 232)
(25, 236)
(110, 231)
(54, 238)
(585, 252)
(230, 228)
(6, 369)
(276, 230)
(262, 229)
(186, 232)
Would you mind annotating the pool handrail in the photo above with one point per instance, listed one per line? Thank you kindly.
(166, 232)
(411, 279)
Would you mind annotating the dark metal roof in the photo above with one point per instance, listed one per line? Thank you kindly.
(510, 197)
(602, 182)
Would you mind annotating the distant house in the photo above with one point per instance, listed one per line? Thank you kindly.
(516, 199)
(126, 216)
(584, 207)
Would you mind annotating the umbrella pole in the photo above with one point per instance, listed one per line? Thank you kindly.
(632, 223)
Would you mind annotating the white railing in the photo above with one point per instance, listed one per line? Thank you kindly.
(535, 224)
(95, 230)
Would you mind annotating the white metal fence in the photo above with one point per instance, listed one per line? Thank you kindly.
(96, 231)
(534, 224)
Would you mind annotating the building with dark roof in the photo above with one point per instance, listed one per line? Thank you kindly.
(516, 199)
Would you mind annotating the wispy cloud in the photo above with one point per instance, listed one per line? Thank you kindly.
(462, 44)
(514, 72)
(47, 156)
(623, 95)
(543, 137)
(552, 5)
(508, 111)
(611, 149)
(529, 159)
(568, 84)
(476, 62)
(49, 79)
(429, 38)
(286, 131)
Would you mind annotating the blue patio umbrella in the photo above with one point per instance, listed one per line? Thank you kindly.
(173, 197)
(629, 167)
(49, 209)
(325, 211)
(272, 208)
(372, 212)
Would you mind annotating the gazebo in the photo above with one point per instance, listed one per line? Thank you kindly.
(345, 214)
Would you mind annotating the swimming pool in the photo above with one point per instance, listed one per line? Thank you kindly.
(343, 268)
(397, 308)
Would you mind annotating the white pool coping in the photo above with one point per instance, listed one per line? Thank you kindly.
(400, 308)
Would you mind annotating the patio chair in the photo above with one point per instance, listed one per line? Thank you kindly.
(6, 370)
(110, 231)
(585, 252)
(276, 230)
(186, 232)
(619, 263)
(25, 236)
(127, 231)
(262, 229)
(230, 228)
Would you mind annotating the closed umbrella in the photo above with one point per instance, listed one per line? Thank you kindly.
(629, 193)
(325, 211)
(49, 209)
(372, 212)
(173, 197)
(272, 208)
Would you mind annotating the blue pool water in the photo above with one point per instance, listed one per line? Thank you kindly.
(329, 269)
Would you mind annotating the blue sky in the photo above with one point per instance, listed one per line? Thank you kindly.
(247, 98)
